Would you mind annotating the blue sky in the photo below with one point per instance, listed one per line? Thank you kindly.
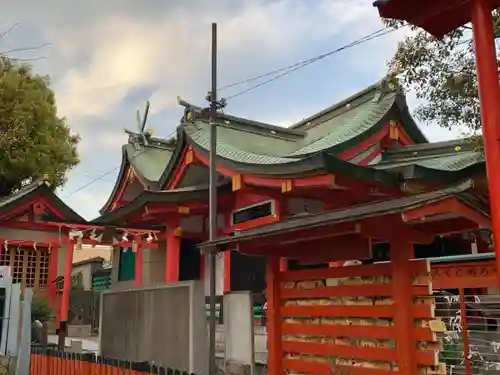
(106, 58)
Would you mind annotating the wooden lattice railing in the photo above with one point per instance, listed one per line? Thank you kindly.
(341, 321)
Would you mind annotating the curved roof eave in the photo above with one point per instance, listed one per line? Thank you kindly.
(341, 167)
(174, 160)
(321, 161)
(298, 166)
(419, 172)
(410, 126)
(181, 195)
(119, 180)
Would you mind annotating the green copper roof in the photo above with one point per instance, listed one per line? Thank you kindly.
(449, 156)
(148, 161)
(333, 129)
(345, 123)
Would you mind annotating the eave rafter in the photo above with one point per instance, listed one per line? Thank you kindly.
(454, 206)
(325, 180)
(186, 160)
(33, 208)
(384, 138)
(129, 177)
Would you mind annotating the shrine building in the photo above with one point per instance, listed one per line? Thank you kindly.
(364, 149)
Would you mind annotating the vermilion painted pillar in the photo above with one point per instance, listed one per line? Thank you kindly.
(489, 97)
(68, 264)
(402, 285)
(172, 258)
(52, 275)
(138, 264)
(284, 264)
(274, 336)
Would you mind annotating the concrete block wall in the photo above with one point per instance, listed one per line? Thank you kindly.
(165, 324)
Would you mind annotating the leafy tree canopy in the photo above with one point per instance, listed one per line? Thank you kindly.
(34, 142)
(442, 74)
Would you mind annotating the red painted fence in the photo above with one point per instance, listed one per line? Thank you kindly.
(51, 362)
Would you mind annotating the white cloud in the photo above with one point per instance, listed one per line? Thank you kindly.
(124, 52)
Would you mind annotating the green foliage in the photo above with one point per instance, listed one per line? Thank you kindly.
(34, 141)
(40, 309)
(442, 74)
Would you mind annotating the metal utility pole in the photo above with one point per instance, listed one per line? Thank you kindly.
(213, 201)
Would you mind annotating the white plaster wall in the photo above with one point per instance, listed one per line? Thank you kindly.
(25, 235)
(219, 274)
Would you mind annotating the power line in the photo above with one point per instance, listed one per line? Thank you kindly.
(248, 80)
(284, 71)
(300, 65)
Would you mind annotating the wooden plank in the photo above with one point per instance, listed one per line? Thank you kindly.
(352, 370)
(364, 290)
(374, 354)
(307, 366)
(479, 274)
(419, 267)
(368, 332)
(419, 311)
(422, 357)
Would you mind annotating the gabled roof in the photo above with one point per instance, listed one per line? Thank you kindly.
(332, 130)
(148, 161)
(183, 195)
(31, 192)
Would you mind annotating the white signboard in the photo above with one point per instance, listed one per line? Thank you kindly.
(4, 271)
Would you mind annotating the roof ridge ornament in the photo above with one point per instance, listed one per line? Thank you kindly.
(389, 83)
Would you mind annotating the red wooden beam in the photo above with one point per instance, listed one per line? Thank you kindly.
(90, 226)
(362, 146)
(26, 225)
(301, 235)
(123, 186)
(390, 227)
(348, 247)
(21, 209)
(172, 257)
(444, 227)
(274, 317)
(321, 180)
(480, 274)
(371, 156)
(450, 205)
(187, 158)
(401, 252)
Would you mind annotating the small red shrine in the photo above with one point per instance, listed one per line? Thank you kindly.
(38, 235)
